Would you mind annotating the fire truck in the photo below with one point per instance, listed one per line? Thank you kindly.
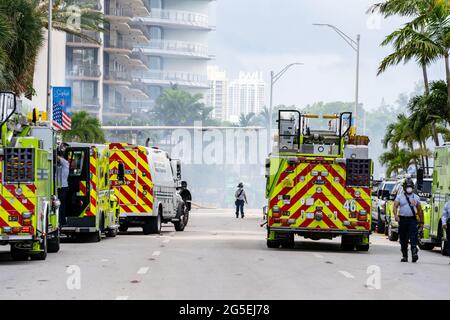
(318, 181)
(148, 186)
(91, 208)
(28, 203)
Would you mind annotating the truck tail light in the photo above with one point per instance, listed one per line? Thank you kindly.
(276, 214)
(26, 222)
(26, 229)
(16, 229)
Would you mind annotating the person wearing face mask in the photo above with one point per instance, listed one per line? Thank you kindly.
(406, 209)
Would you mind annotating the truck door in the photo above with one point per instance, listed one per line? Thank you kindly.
(78, 197)
(124, 175)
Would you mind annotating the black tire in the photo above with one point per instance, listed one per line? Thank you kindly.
(153, 226)
(123, 228)
(111, 233)
(444, 247)
(181, 214)
(393, 236)
(381, 225)
(53, 245)
(386, 229)
(273, 244)
(19, 255)
(362, 247)
(288, 243)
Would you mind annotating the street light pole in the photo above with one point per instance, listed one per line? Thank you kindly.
(273, 80)
(355, 45)
(49, 62)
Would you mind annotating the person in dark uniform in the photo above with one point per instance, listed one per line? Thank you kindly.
(406, 209)
(241, 199)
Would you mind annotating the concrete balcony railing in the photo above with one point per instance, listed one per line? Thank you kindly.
(79, 102)
(175, 17)
(125, 45)
(175, 48)
(166, 78)
(119, 76)
(75, 40)
(119, 12)
(85, 71)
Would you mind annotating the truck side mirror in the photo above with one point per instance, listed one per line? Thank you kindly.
(121, 172)
(420, 177)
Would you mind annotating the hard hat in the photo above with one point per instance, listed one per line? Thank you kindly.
(240, 185)
(408, 183)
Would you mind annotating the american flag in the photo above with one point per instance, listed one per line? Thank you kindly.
(61, 120)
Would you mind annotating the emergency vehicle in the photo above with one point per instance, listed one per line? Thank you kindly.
(433, 234)
(91, 205)
(28, 202)
(318, 181)
(148, 186)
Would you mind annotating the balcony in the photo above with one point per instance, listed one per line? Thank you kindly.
(88, 4)
(75, 41)
(175, 49)
(176, 19)
(80, 103)
(118, 47)
(119, 78)
(84, 72)
(167, 78)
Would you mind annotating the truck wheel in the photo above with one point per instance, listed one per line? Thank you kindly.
(362, 247)
(444, 247)
(380, 224)
(153, 226)
(288, 243)
(181, 215)
(97, 236)
(53, 244)
(111, 233)
(19, 255)
(273, 244)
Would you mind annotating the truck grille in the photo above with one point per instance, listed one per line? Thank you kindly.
(358, 172)
(18, 165)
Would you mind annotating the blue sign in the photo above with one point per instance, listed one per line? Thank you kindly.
(62, 104)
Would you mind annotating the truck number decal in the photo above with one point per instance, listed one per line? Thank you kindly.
(350, 205)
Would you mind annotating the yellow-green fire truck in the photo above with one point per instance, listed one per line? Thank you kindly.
(28, 202)
(318, 181)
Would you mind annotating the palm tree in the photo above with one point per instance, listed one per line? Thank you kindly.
(85, 128)
(246, 120)
(6, 37)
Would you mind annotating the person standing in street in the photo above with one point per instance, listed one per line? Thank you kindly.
(445, 224)
(63, 183)
(241, 199)
(406, 209)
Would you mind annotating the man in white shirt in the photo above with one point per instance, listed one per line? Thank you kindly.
(406, 205)
(63, 183)
(241, 199)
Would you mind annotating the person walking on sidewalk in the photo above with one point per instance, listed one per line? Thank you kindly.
(241, 199)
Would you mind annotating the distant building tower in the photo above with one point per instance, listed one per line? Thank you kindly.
(217, 97)
(246, 95)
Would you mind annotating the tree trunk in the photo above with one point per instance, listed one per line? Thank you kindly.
(447, 73)
(427, 92)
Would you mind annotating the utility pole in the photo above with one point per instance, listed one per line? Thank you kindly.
(49, 107)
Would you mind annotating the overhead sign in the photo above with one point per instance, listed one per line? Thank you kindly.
(62, 104)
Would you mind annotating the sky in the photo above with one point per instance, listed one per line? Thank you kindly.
(266, 35)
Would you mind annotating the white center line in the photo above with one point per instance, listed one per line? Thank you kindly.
(122, 298)
(317, 255)
(156, 253)
(347, 274)
(143, 270)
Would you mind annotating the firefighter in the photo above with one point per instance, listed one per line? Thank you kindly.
(241, 199)
(63, 183)
(446, 222)
(406, 205)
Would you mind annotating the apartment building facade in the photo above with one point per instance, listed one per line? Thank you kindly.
(148, 46)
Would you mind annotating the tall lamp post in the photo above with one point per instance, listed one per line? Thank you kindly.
(355, 45)
(49, 108)
(274, 77)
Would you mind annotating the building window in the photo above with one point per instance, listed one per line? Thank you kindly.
(156, 4)
(84, 92)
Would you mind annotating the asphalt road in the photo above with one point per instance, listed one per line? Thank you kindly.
(221, 257)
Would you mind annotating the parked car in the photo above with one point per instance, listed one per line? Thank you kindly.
(380, 195)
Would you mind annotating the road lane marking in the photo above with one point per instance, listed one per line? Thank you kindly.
(347, 274)
(122, 298)
(156, 253)
(105, 260)
(317, 255)
(143, 270)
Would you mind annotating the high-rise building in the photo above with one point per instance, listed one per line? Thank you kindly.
(246, 95)
(148, 46)
(217, 97)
